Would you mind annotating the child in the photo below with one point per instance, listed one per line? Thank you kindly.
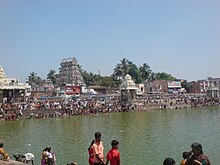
(169, 161)
(2, 152)
(113, 155)
(186, 156)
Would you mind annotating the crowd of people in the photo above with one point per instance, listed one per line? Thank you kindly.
(35, 108)
(96, 154)
(95, 151)
(195, 156)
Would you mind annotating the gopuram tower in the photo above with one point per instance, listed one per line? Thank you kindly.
(69, 73)
(3, 80)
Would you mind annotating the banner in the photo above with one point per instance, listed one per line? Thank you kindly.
(70, 90)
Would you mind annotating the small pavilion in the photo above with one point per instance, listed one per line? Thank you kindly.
(128, 89)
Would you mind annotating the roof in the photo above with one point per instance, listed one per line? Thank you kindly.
(98, 87)
(12, 87)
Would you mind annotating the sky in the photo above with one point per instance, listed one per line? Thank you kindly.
(179, 37)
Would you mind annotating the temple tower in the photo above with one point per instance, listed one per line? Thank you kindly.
(3, 78)
(69, 73)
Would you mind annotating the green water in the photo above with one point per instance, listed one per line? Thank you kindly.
(146, 138)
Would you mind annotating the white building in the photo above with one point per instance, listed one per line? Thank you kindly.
(11, 90)
(203, 84)
(214, 87)
(214, 81)
(128, 89)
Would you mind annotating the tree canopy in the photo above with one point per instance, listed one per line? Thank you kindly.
(33, 79)
(164, 76)
(139, 75)
(52, 76)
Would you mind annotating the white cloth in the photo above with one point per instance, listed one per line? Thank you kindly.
(29, 156)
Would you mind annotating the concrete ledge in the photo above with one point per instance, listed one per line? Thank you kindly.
(11, 162)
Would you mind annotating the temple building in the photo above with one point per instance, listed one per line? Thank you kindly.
(128, 89)
(11, 90)
(3, 79)
(70, 76)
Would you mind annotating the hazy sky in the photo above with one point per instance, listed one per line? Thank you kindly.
(180, 37)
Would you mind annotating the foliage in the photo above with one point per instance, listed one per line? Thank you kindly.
(122, 69)
(125, 66)
(52, 76)
(164, 76)
(135, 73)
(145, 72)
(90, 78)
(33, 79)
(107, 81)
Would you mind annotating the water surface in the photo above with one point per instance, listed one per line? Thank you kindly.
(145, 137)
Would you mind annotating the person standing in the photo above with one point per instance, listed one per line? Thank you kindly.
(91, 155)
(48, 157)
(198, 157)
(51, 157)
(98, 150)
(113, 155)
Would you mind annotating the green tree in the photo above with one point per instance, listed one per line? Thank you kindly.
(33, 79)
(164, 76)
(86, 77)
(127, 67)
(96, 79)
(135, 73)
(122, 69)
(90, 78)
(52, 76)
(107, 81)
(116, 82)
(145, 72)
(152, 76)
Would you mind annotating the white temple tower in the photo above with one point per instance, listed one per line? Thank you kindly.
(3, 78)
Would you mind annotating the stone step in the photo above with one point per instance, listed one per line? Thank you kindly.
(11, 162)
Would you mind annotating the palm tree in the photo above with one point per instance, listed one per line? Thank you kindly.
(145, 71)
(122, 68)
(52, 76)
(134, 72)
(33, 79)
(152, 76)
